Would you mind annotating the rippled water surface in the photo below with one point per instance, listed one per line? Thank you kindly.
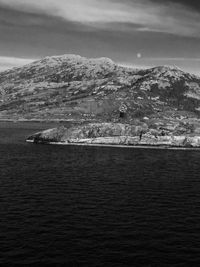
(93, 206)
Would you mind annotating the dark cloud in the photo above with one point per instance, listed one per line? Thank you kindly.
(12, 18)
(193, 4)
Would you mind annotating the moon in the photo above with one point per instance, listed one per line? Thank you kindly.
(139, 55)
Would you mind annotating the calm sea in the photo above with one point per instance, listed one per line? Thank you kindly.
(93, 206)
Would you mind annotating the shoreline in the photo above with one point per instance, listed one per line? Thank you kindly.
(120, 146)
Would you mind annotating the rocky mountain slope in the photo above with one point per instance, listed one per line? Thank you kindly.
(71, 87)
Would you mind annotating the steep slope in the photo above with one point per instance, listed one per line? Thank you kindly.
(71, 87)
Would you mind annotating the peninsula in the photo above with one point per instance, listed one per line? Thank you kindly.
(113, 134)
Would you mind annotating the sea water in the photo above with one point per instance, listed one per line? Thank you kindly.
(96, 206)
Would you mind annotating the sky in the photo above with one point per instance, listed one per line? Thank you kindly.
(138, 33)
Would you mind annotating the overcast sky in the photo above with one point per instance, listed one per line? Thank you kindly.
(131, 32)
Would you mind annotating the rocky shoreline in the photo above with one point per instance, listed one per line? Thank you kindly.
(160, 147)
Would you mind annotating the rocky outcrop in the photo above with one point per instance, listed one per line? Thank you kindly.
(113, 134)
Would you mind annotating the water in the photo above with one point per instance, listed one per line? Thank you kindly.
(92, 206)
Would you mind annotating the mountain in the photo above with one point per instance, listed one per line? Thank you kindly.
(72, 87)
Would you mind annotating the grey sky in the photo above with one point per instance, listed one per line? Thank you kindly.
(163, 32)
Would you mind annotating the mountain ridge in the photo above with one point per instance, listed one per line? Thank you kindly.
(71, 87)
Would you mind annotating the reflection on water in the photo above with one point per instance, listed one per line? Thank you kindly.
(92, 206)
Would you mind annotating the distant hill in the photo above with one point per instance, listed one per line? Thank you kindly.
(72, 87)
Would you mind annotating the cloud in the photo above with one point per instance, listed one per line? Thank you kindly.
(10, 62)
(194, 4)
(167, 17)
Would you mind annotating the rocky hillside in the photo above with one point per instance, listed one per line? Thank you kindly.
(71, 87)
